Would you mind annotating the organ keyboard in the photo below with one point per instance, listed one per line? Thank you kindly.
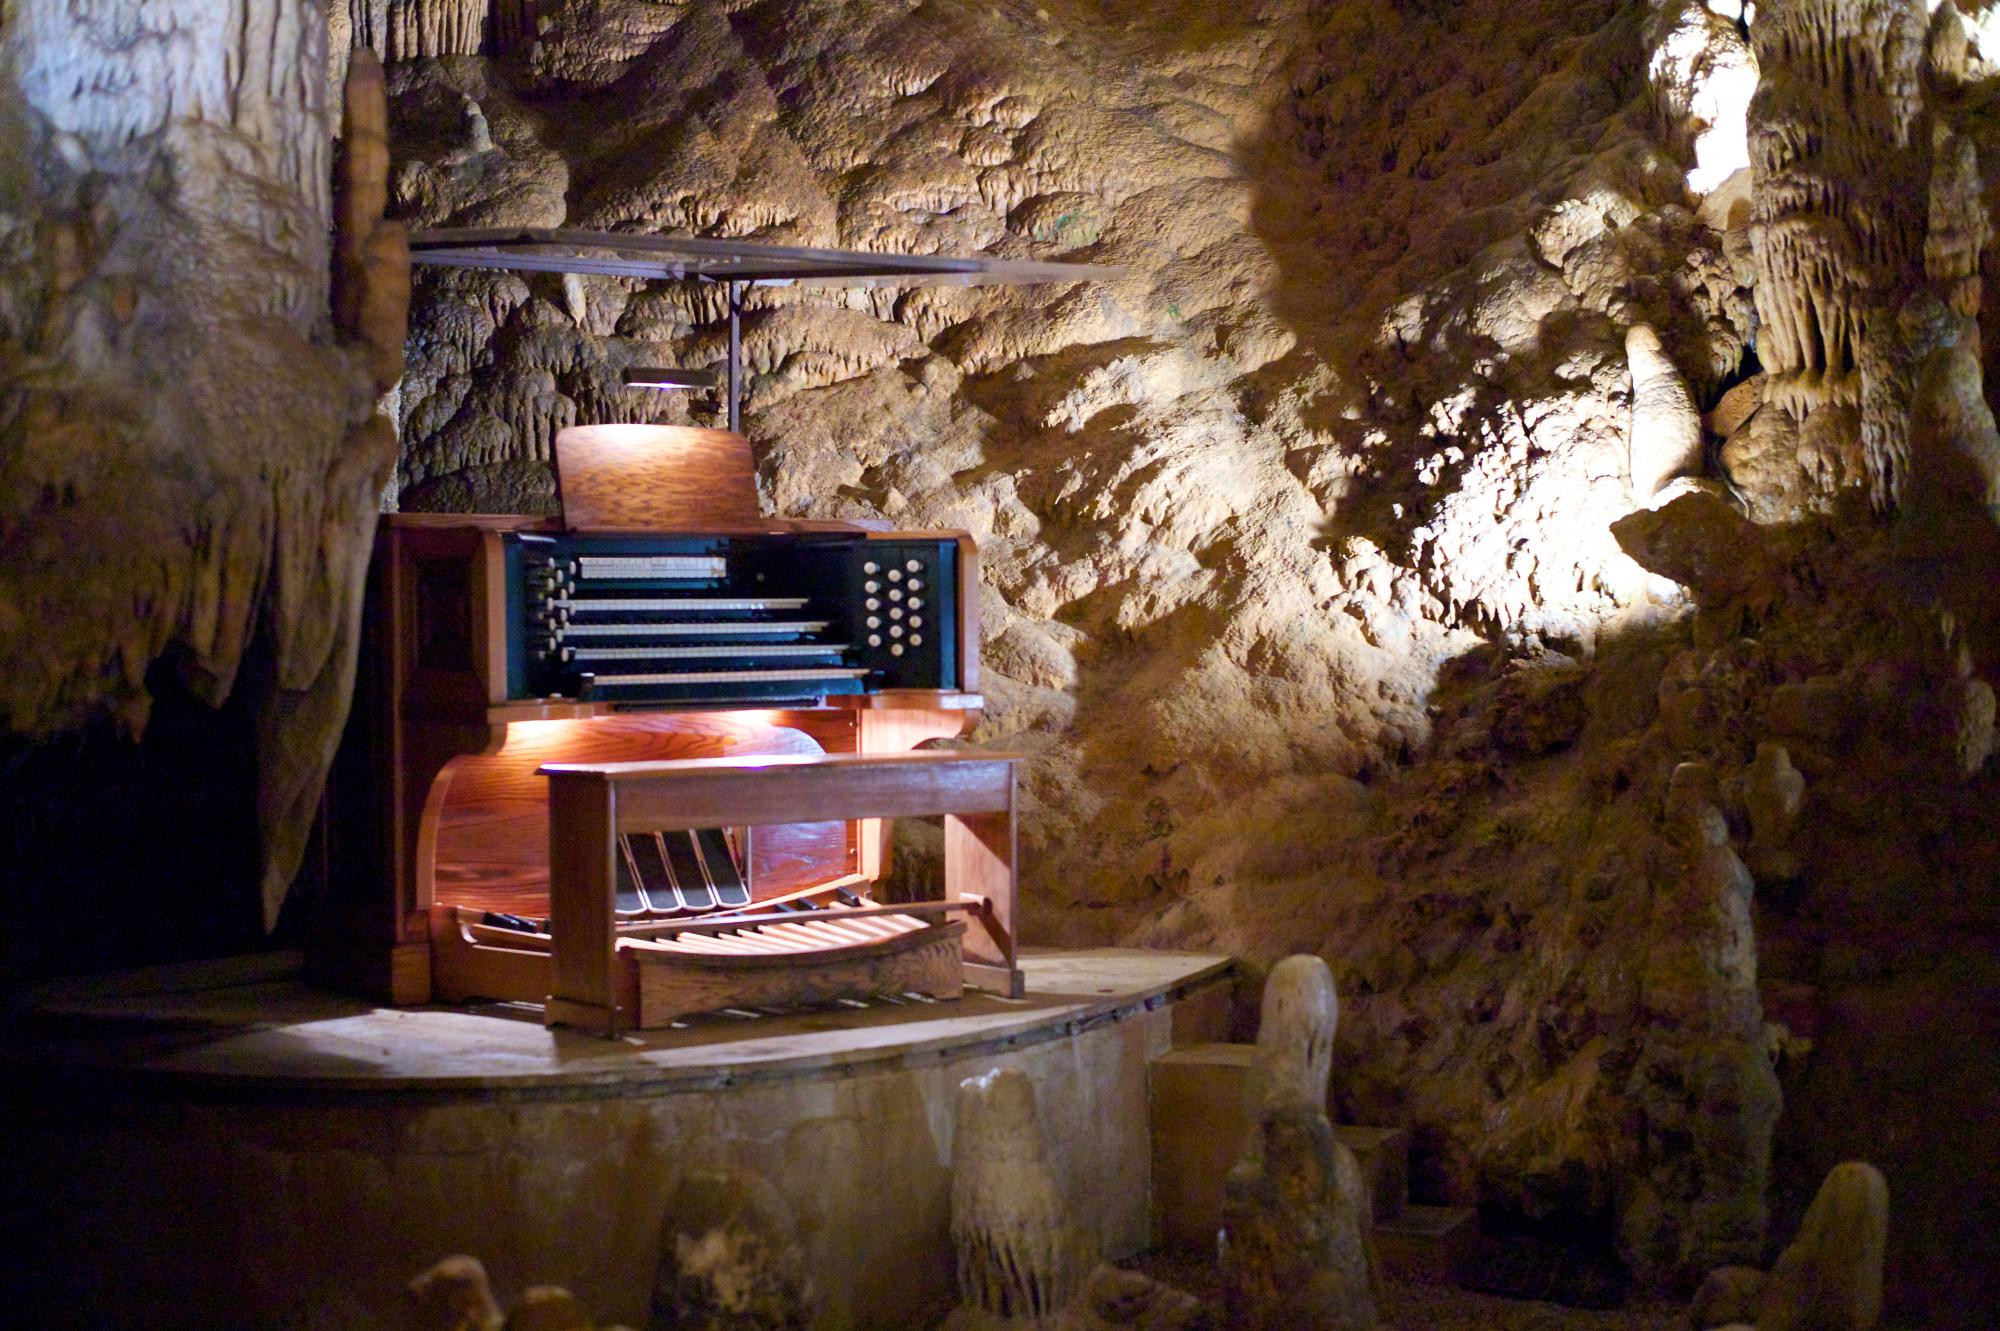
(662, 621)
(747, 619)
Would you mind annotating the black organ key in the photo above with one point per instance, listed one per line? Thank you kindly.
(730, 890)
(685, 861)
(656, 883)
(629, 898)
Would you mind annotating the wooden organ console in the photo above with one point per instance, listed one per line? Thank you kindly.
(727, 707)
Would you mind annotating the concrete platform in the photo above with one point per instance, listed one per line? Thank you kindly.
(257, 1153)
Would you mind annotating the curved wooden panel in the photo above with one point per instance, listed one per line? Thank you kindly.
(491, 842)
(672, 983)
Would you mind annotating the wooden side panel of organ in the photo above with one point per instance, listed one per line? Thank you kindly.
(437, 821)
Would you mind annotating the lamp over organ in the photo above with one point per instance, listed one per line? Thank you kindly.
(540, 703)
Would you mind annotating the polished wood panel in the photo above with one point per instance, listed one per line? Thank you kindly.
(886, 728)
(582, 849)
(651, 478)
(492, 826)
(979, 861)
(673, 984)
(470, 961)
(703, 792)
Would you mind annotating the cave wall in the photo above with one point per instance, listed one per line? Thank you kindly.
(1368, 569)
(1302, 589)
(190, 461)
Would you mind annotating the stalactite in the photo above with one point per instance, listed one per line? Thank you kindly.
(413, 29)
(1837, 222)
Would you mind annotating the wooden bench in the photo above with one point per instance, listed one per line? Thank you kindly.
(607, 983)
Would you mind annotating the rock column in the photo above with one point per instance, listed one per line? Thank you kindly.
(1295, 1211)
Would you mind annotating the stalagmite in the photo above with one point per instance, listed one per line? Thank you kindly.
(1021, 1260)
(1114, 1298)
(1708, 1125)
(730, 1259)
(1296, 1213)
(548, 1308)
(1666, 439)
(1301, 1012)
(1292, 1239)
(1830, 1277)
(454, 1295)
(1772, 792)
(1727, 1297)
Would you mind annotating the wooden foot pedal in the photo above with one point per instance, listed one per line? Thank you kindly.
(621, 833)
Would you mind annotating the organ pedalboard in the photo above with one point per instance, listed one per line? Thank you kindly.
(698, 621)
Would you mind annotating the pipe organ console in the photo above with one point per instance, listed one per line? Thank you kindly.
(711, 620)
(663, 642)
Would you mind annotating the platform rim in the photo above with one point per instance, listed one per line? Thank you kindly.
(145, 1079)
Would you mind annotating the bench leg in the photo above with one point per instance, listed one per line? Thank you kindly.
(979, 861)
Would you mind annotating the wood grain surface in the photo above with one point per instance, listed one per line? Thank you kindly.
(653, 478)
(674, 984)
(492, 838)
(708, 792)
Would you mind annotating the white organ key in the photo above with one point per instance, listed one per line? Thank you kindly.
(895, 649)
(702, 653)
(895, 575)
(913, 566)
(650, 566)
(733, 676)
(916, 640)
(689, 629)
(651, 604)
(871, 567)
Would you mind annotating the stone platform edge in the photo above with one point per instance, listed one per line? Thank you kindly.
(73, 1049)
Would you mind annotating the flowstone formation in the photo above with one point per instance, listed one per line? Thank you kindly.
(193, 336)
(1301, 581)
(730, 1259)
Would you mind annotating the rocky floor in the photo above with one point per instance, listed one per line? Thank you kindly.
(1417, 1308)
(1425, 1308)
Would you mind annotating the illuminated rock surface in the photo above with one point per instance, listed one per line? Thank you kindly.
(1302, 590)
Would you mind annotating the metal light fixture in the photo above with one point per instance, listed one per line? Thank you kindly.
(647, 376)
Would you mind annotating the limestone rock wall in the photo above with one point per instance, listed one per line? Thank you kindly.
(189, 459)
(1302, 590)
